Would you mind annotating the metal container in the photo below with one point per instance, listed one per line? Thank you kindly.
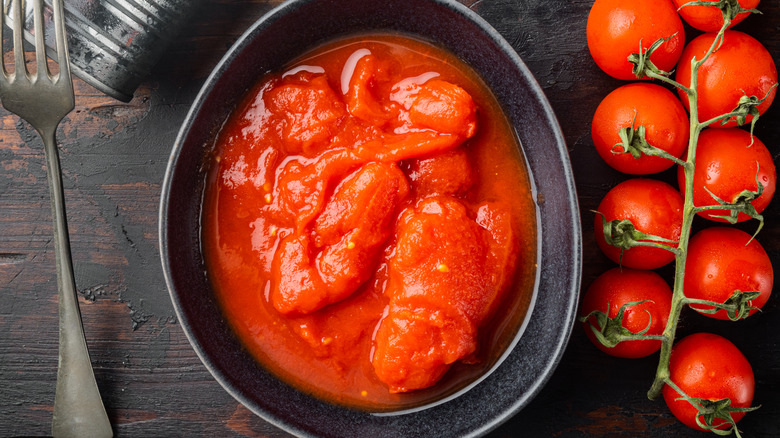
(114, 44)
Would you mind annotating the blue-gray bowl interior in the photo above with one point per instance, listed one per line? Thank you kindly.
(288, 31)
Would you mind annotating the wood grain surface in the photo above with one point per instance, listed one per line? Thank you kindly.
(114, 156)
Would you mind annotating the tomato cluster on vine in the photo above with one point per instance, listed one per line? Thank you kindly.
(701, 121)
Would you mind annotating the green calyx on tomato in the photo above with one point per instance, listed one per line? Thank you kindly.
(633, 140)
(610, 331)
(737, 306)
(742, 203)
(747, 107)
(642, 62)
(711, 410)
(622, 234)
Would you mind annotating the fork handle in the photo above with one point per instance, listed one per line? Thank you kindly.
(78, 408)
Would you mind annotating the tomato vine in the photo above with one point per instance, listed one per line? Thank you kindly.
(622, 233)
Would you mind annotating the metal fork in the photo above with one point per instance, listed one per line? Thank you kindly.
(43, 99)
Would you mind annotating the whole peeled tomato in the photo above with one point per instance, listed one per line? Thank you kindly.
(710, 18)
(640, 104)
(619, 286)
(617, 28)
(741, 66)
(654, 208)
(722, 260)
(727, 164)
(710, 367)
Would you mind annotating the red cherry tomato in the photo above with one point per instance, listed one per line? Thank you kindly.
(640, 104)
(726, 165)
(741, 66)
(720, 261)
(617, 28)
(619, 286)
(710, 18)
(654, 207)
(709, 367)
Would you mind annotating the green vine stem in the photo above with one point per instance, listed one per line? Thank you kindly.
(738, 306)
(662, 375)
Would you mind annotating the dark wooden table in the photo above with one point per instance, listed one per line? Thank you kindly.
(114, 157)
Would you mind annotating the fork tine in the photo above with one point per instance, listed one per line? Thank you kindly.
(63, 58)
(42, 67)
(19, 67)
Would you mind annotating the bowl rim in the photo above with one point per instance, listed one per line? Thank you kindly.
(573, 281)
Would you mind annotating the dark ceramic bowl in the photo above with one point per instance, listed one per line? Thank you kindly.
(286, 32)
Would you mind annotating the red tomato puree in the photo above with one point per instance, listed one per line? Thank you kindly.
(368, 224)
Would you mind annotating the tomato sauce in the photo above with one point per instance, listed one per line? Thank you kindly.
(368, 224)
